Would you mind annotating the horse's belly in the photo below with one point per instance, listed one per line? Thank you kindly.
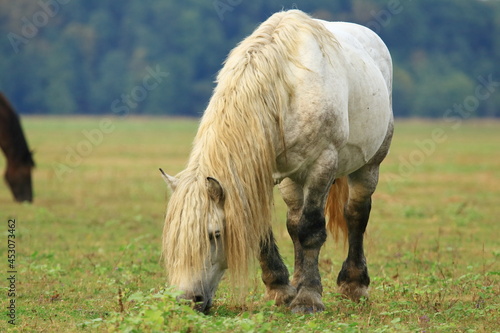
(354, 141)
(369, 120)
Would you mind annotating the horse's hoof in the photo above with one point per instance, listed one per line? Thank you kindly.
(353, 291)
(307, 301)
(282, 295)
(308, 309)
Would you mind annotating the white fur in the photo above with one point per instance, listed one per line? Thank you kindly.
(342, 102)
(300, 98)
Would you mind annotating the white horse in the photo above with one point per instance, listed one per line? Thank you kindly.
(300, 102)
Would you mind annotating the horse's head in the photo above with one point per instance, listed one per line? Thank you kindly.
(19, 180)
(193, 237)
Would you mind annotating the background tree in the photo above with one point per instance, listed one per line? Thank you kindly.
(81, 56)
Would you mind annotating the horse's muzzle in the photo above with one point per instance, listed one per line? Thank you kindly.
(201, 303)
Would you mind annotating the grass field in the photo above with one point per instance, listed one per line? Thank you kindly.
(87, 250)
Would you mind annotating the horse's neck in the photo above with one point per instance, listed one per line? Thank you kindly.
(14, 147)
(7, 143)
(12, 141)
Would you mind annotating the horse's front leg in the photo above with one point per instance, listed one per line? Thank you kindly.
(275, 274)
(307, 229)
(311, 235)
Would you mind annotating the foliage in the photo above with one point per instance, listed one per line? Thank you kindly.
(65, 57)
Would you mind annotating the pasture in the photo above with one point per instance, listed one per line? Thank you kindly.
(88, 248)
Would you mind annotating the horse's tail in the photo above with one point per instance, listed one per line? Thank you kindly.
(334, 208)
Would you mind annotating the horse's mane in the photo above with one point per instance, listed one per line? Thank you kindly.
(237, 140)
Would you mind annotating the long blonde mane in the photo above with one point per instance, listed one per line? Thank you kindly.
(237, 141)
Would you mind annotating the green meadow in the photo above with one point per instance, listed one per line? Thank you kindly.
(88, 248)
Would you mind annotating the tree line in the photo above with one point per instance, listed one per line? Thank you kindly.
(161, 57)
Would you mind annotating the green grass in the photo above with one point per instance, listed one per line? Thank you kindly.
(88, 248)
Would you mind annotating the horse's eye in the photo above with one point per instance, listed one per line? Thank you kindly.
(215, 234)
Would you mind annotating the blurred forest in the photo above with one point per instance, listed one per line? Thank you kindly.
(162, 56)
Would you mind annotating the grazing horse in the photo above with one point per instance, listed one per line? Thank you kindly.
(19, 159)
(302, 103)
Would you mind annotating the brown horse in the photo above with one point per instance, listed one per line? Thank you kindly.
(19, 159)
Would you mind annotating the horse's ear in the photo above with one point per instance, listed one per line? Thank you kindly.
(170, 180)
(215, 190)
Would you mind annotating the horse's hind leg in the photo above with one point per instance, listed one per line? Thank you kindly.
(275, 274)
(353, 279)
